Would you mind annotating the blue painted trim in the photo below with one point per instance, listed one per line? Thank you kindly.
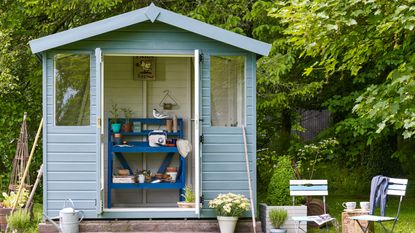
(45, 133)
(123, 162)
(151, 12)
(166, 162)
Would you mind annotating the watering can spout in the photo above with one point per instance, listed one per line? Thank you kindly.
(53, 223)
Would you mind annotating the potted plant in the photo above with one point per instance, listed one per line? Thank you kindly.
(7, 204)
(189, 198)
(127, 126)
(277, 217)
(115, 125)
(19, 221)
(229, 207)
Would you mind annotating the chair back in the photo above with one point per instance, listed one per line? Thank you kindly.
(397, 187)
(309, 188)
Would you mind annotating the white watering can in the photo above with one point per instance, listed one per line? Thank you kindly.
(69, 218)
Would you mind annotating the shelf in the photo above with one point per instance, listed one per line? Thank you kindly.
(177, 185)
(143, 147)
(145, 133)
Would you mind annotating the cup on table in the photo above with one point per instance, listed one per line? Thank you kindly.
(349, 205)
(364, 205)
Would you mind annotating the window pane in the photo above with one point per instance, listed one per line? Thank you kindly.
(227, 90)
(72, 80)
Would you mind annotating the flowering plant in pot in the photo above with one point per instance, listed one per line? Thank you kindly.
(278, 218)
(189, 198)
(115, 125)
(229, 207)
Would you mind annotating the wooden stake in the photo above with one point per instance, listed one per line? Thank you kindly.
(28, 165)
(248, 171)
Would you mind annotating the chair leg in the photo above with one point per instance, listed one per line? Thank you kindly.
(384, 228)
(364, 229)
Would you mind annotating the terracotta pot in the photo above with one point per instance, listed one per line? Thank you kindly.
(4, 212)
(171, 169)
(127, 127)
(183, 204)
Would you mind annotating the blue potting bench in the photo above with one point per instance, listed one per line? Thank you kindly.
(117, 151)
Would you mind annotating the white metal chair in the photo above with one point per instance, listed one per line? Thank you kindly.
(310, 188)
(396, 187)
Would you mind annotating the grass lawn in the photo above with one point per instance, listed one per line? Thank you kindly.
(405, 224)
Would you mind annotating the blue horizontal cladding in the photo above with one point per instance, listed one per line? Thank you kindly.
(79, 204)
(87, 213)
(86, 147)
(71, 157)
(225, 166)
(74, 176)
(72, 185)
(71, 166)
(308, 188)
(228, 176)
(225, 185)
(72, 194)
(162, 37)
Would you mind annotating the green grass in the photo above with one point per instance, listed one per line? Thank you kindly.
(405, 224)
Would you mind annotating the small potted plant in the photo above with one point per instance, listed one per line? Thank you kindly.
(115, 125)
(127, 126)
(189, 198)
(7, 204)
(277, 217)
(229, 207)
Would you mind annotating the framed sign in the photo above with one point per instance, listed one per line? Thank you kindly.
(144, 68)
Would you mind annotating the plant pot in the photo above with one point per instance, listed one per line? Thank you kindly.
(4, 212)
(127, 127)
(278, 230)
(227, 224)
(116, 127)
(171, 169)
(183, 204)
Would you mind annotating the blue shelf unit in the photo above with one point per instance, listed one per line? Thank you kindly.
(116, 152)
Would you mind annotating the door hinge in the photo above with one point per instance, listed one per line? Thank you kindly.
(202, 199)
(99, 122)
(202, 138)
(200, 57)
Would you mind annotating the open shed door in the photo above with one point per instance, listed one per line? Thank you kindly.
(197, 149)
(99, 84)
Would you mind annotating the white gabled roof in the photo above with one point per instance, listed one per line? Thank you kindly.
(152, 13)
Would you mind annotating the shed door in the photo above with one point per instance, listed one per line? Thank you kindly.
(99, 83)
(224, 112)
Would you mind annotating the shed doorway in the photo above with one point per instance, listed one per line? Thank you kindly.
(168, 88)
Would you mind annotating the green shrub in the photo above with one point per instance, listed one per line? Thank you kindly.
(19, 221)
(278, 188)
(277, 217)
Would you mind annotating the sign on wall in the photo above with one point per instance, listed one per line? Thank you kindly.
(144, 68)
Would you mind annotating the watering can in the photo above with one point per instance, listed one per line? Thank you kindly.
(69, 218)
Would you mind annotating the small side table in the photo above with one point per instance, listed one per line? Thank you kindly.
(350, 225)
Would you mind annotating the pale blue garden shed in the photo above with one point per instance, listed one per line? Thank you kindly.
(146, 59)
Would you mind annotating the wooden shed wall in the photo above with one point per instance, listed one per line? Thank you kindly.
(69, 153)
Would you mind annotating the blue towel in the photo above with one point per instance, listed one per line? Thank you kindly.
(378, 194)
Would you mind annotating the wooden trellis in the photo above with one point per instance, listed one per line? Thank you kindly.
(20, 160)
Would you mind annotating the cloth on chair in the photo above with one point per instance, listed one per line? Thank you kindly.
(378, 194)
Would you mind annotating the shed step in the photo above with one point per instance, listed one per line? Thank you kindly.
(152, 226)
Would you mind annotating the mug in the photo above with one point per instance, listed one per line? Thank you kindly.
(141, 178)
(364, 205)
(349, 205)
